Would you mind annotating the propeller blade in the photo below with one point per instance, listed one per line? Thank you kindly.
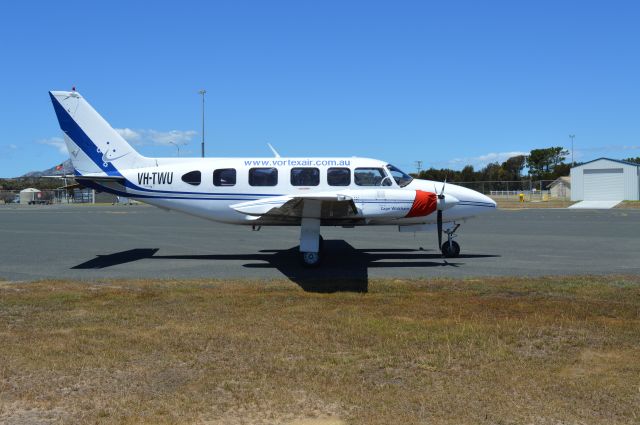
(440, 197)
(440, 229)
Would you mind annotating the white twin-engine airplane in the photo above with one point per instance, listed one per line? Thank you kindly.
(305, 192)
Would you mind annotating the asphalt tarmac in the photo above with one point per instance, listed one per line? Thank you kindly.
(104, 242)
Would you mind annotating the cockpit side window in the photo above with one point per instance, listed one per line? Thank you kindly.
(193, 178)
(401, 178)
(371, 177)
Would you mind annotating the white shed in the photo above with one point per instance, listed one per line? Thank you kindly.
(29, 195)
(560, 188)
(605, 179)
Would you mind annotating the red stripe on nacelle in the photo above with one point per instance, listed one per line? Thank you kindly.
(424, 204)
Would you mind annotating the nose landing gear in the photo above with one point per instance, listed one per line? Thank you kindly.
(451, 248)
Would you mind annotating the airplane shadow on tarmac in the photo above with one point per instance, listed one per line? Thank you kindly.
(344, 268)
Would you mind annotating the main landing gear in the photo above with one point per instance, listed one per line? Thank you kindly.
(310, 239)
(451, 248)
(313, 259)
(311, 242)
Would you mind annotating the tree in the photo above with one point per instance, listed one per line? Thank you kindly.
(635, 160)
(561, 170)
(492, 171)
(468, 174)
(542, 162)
(558, 155)
(436, 174)
(513, 167)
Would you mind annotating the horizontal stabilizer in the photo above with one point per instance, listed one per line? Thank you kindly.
(101, 179)
(61, 176)
(95, 178)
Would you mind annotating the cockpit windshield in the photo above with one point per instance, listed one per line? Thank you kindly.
(401, 178)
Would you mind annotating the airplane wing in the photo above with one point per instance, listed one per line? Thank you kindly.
(331, 206)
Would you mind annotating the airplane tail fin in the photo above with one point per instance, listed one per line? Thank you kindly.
(94, 146)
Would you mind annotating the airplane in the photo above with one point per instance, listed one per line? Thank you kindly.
(275, 191)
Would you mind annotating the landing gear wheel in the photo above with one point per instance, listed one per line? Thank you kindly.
(450, 251)
(310, 259)
(313, 259)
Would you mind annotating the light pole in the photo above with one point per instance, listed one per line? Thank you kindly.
(177, 147)
(572, 136)
(202, 92)
(418, 166)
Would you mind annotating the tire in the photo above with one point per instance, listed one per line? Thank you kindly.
(310, 259)
(313, 259)
(453, 252)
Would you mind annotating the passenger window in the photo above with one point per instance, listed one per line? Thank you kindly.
(371, 177)
(305, 177)
(263, 176)
(339, 176)
(192, 177)
(224, 177)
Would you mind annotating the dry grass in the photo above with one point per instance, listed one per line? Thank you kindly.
(629, 205)
(490, 351)
(514, 203)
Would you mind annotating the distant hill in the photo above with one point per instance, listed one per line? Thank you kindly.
(67, 168)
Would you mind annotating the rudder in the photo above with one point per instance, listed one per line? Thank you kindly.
(93, 145)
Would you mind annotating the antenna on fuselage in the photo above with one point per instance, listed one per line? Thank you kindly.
(275, 152)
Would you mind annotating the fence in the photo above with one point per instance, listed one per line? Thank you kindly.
(50, 196)
(531, 189)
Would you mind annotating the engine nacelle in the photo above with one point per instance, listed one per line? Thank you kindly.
(399, 203)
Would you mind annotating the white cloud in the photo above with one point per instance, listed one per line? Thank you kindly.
(482, 160)
(56, 142)
(135, 137)
(610, 148)
(128, 134)
(8, 150)
(155, 137)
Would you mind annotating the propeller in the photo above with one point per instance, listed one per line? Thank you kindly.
(439, 229)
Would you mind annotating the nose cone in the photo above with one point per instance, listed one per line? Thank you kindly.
(486, 200)
(472, 198)
(473, 202)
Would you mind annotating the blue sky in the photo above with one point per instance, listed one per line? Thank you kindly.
(448, 83)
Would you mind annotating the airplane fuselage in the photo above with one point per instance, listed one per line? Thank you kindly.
(208, 187)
